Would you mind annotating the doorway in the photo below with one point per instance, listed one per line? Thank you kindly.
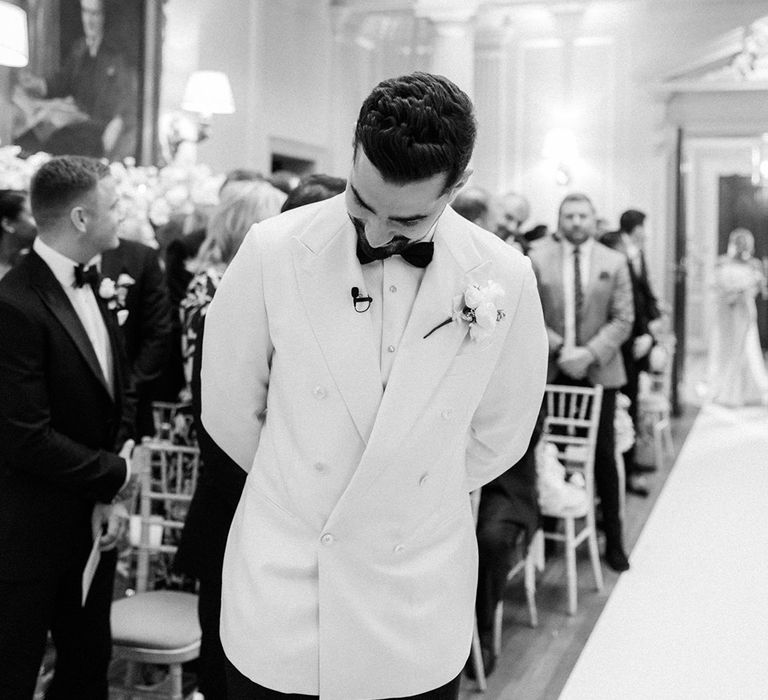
(717, 199)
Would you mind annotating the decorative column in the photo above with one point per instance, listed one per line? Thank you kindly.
(454, 42)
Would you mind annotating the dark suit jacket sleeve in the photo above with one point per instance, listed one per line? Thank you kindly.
(29, 442)
(154, 324)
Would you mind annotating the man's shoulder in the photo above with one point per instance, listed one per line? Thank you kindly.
(610, 256)
(308, 223)
(545, 248)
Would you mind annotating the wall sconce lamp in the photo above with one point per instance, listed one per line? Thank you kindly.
(560, 149)
(207, 93)
(14, 43)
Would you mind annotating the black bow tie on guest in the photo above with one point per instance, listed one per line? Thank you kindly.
(86, 275)
(416, 254)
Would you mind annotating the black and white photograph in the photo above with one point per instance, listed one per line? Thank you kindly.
(383, 349)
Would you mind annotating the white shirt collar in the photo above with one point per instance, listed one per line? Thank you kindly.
(63, 268)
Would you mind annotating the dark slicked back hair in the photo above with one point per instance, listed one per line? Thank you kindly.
(630, 219)
(11, 204)
(60, 183)
(314, 188)
(417, 126)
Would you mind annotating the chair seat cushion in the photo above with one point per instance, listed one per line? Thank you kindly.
(156, 620)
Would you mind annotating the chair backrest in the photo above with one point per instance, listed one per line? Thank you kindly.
(571, 422)
(168, 477)
(173, 422)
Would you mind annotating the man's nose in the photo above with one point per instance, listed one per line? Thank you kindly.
(378, 232)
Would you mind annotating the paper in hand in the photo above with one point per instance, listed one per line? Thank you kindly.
(90, 568)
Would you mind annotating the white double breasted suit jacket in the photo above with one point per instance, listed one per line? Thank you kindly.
(351, 564)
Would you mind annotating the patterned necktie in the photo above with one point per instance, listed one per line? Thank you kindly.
(578, 295)
(86, 275)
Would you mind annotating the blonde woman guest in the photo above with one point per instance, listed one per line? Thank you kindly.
(737, 372)
(221, 481)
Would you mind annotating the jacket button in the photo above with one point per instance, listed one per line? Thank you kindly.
(424, 479)
(327, 538)
(319, 392)
(446, 414)
(390, 348)
(320, 467)
(398, 548)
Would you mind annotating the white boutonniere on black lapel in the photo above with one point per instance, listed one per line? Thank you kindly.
(115, 294)
(478, 308)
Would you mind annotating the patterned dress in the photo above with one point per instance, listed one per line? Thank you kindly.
(192, 309)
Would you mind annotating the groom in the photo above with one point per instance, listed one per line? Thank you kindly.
(336, 373)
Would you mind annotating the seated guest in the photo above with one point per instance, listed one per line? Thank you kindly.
(508, 504)
(221, 480)
(314, 188)
(17, 228)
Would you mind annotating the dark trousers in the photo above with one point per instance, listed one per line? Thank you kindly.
(242, 688)
(497, 533)
(630, 389)
(30, 608)
(606, 476)
(212, 662)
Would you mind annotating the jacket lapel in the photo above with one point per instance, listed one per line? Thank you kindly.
(54, 297)
(422, 362)
(326, 269)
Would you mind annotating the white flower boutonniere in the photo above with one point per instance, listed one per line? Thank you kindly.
(115, 293)
(478, 307)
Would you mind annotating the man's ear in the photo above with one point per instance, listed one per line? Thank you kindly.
(460, 183)
(77, 217)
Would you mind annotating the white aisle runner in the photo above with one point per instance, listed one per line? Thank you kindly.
(690, 618)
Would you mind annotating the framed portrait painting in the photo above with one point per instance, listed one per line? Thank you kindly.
(91, 87)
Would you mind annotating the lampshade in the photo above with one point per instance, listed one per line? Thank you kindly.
(14, 45)
(208, 92)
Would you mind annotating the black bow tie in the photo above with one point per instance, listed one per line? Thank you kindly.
(416, 254)
(86, 275)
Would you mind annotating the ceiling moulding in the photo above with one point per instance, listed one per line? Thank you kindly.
(736, 62)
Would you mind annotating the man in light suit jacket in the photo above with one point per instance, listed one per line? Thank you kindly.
(361, 364)
(587, 299)
(63, 416)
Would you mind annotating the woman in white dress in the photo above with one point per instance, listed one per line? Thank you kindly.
(737, 373)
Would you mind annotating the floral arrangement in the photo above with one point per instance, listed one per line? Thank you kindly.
(735, 279)
(150, 197)
(115, 293)
(478, 307)
(15, 172)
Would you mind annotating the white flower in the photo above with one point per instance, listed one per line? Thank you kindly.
(122, 316)
(477, 307)
(107, 288)
(125, 280)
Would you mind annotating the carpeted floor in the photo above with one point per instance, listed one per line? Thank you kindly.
(690, 620)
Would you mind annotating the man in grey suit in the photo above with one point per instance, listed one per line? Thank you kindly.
(586, 295)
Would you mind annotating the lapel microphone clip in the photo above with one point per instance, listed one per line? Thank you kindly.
(363, 301)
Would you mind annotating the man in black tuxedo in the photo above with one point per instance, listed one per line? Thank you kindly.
(629, 240)
(62, 420)
(147, 328)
